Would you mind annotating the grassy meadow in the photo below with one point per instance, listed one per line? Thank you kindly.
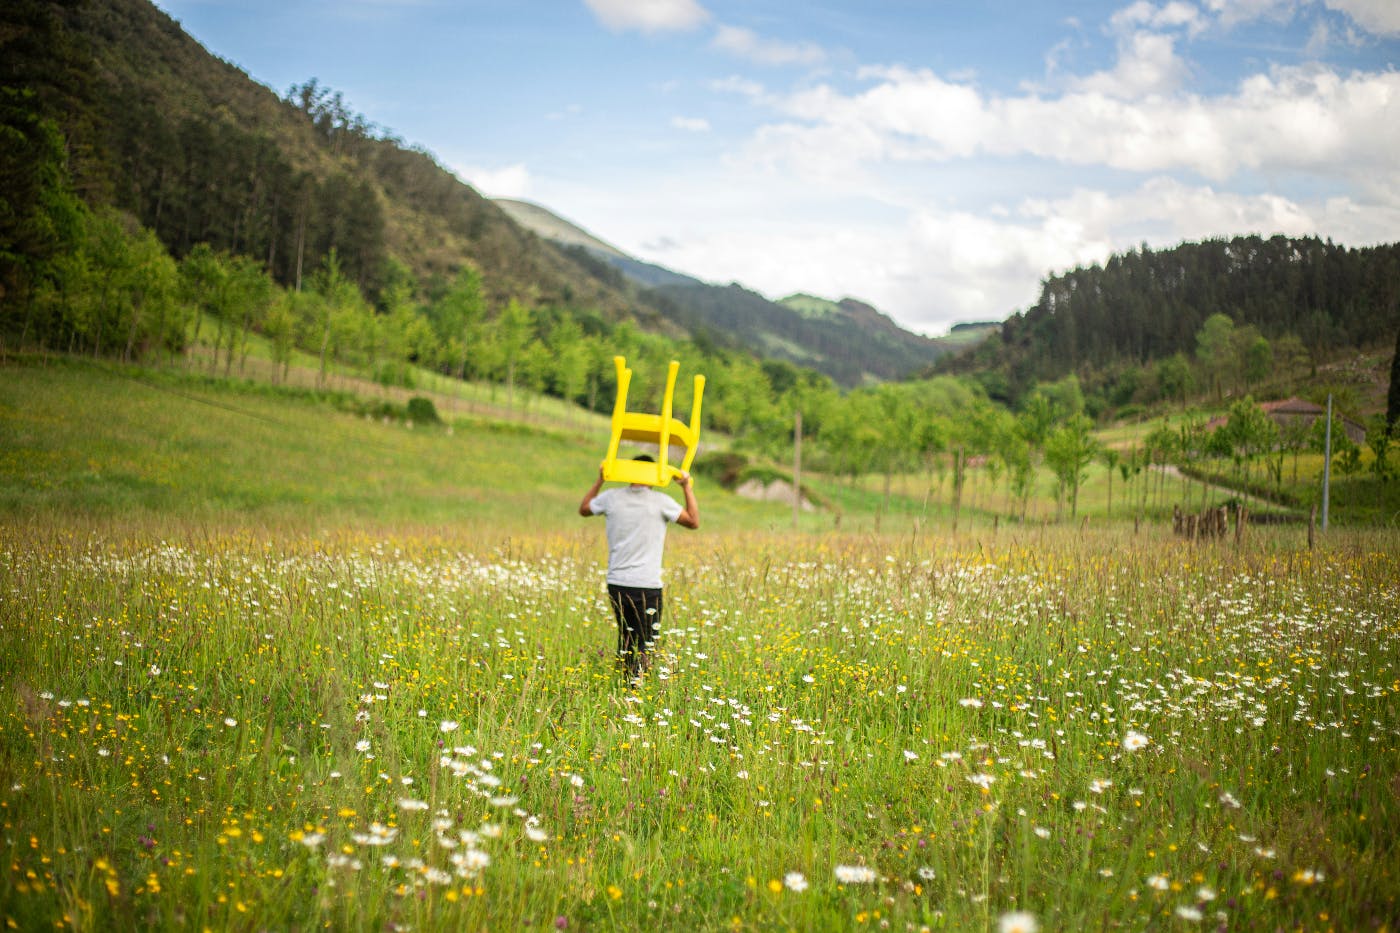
(271, 664)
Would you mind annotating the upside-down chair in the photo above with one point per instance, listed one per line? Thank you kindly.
(662, 430)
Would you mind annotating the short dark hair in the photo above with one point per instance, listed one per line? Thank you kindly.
(645, 458)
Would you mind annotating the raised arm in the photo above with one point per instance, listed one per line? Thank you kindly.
(585, 508)
(690, 515)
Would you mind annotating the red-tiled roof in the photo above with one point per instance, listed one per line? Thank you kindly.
(1290, 406)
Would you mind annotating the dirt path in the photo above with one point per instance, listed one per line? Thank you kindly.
(1222, 491)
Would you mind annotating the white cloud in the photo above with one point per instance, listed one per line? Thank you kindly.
(742, 87)
(929, 273)
(1173, 15)
(1234, 12)
(1291, 119)
(1319, 39)
(982, 262)
(691, 124)
(1147, 64)
(747, 44)
(510, 181)
(649, 15)
(1165, 211)
(1378, 16)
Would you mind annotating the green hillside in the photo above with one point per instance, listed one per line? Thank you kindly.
(1116, 326)
(84, 441)
(811, 306)
(198, 151)
(88, 441)
(968, 334)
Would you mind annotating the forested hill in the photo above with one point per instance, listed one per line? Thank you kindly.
(855, 344)
(1148, 305)
(199, 152)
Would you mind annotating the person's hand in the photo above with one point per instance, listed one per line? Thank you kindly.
(683, 478)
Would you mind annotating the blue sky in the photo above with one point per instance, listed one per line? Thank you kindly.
(936, 158)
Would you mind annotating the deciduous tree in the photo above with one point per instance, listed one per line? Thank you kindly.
(1069, 449)
(1215, 349)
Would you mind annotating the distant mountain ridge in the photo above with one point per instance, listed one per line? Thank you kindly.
(849, 340)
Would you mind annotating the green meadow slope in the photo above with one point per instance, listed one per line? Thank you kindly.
(83, 440)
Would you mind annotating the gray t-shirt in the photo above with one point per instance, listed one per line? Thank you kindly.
(637, 519)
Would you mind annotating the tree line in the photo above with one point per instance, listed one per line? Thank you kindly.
(1112, 324)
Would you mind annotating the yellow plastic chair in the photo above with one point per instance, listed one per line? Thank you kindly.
(662, 430)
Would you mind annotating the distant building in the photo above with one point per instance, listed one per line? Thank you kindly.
(1290, 411)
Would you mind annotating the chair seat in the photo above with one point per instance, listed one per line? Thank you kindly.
(646, 429)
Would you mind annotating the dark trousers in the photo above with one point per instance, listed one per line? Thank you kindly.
(638, 614)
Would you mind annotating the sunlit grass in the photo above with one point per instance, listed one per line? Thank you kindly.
(89, 439)
(271, 665)
(366, 731)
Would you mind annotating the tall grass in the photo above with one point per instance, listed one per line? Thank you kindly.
(269, 664)
(257, 730)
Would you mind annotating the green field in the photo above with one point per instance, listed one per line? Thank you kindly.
(274, 662)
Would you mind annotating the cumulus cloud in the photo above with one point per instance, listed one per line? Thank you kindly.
(1378, 17)
(1308, 119)
(1165, 211)
(1174, 15)
(649, 15)
(748, 45)
(1381, 17)
(1147, 65)
(909, 158)
(934, 271)
(1233, 12)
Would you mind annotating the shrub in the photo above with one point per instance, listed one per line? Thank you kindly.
(723, 467)
(422, 411)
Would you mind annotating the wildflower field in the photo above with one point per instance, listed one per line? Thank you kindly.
(210, 728)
